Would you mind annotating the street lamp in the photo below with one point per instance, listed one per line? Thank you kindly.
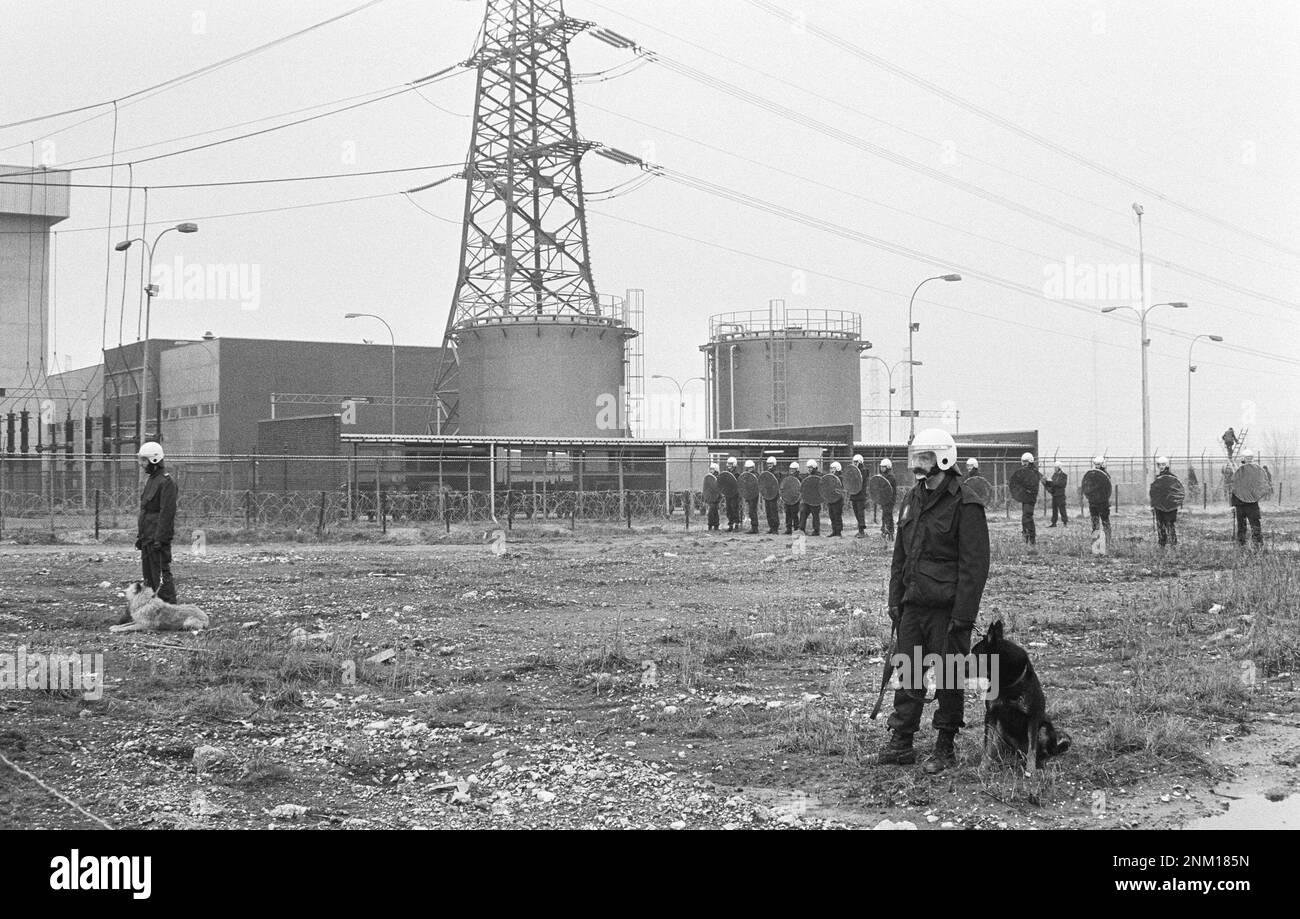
(1146, 343)
(1191, 369)
(889, 376)
(912, 327)
(680, 398)
(150, 291)
(393, 339)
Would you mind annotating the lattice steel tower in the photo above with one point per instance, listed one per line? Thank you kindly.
(524, 241)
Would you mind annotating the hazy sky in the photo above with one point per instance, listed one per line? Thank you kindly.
(1194, 101)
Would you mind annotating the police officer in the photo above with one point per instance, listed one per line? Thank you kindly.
(973, 468)
(792, 510)
(1027, 529)
(859, 500)
(772, 506)
(940, 566)
(887, 510)
(751, 504)
(1056, 488)
(810, 511)
(1166, 521)
(836, 508)
(733, 501)
(713, 505)
(1247, 505)
(1100, 512)
(155, 524)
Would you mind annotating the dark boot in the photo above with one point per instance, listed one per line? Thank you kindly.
(944, 754)
(898, 752)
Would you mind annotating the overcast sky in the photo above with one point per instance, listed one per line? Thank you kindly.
(1193, 101)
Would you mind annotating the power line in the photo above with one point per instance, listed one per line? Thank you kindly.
(272, 181)
(1009, 125)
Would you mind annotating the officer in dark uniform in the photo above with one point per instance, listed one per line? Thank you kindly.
(808, 511)
(887, 510)
(1027, 529)
(1056, 488)
(1100, 511)
(792, 510)
(154, 526)
(751, 504)
(859, 501)
(836, 508)
(1246, 505)
(936, 582)
(772, 506)
(714, 523)
(734, 519)
(1166, 521)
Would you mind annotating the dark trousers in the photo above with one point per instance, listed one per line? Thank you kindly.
(887, 520)
(1167, 527)
(773, 508)
(1027, 528)
(1249, 513)
(811, 512)
(156, 564)
(791, 518)
(860, 512)
(752, 505)
(836, 510)
(733, 512)
(1058, 507)
(927, 629)
(713, 515)
(1100, 514)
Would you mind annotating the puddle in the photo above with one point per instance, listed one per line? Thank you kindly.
(1254, 812)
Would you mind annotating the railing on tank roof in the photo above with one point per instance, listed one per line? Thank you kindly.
(750, 322)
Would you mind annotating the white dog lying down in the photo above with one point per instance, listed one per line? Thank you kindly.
(150, 614)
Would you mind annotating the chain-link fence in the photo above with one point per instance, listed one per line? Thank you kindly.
(319, 496)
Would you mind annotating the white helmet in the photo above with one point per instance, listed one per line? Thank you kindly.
(1099, 462)
(812, 464)
(749, 464)
(936, 441)
(1247, 454)
(972, 463)
(151, 452)
(731, 461)
(1058, 464)
(771, 461)
(794, 467)
(857, 458)
(713, 467)
(836, 467)
(886, 464)
(1162, 462)
(1026, 458)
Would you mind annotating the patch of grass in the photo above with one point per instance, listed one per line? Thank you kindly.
(223, 703)
(814, 730)
(262, 770)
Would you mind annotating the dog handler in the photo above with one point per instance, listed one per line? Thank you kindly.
(154, 527)
(940, 565)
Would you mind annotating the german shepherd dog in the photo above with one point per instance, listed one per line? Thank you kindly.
(150, 614)
(1018, 714)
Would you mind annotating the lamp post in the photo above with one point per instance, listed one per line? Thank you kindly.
(393, 339)
(150, 291)
(912, 327)
(681, 399)
(889, 376)
(1146, 399)
(1191, 369)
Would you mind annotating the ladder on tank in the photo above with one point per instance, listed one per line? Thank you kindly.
(779, 345)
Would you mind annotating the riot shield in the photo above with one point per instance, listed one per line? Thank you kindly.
(712, 493)
(790, 488)
(810, 490)
(880, 490)
(979, 486)
(1249, 484)
(1166, 493)
(1024, 485)
(728, 484)
(832, 488)
(1096, 487)
(748, 486)
(768, 486)
(852, 478)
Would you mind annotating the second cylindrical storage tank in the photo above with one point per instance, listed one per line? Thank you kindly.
(542, 376)
(785, 369)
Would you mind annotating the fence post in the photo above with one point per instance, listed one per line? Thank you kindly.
(96, 513)
(320, 523)
(629, 516)
(248, 508)
(510, 509)
(1205, 495)
(687, 505)
(379, 500)
(1116, 499)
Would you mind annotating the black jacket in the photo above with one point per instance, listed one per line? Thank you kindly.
(941, 553)
(157, 507)
(1056, 484)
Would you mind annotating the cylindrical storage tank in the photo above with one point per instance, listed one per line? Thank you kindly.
(542, 376)
(785, 369)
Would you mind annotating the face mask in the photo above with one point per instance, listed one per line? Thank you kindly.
(922, 475)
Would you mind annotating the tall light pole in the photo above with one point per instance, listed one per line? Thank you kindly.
(1191, 369)
(912, 327)
(1146, 400)
(150, 291)
(393, 339)
(681, 399)
(889, 376)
